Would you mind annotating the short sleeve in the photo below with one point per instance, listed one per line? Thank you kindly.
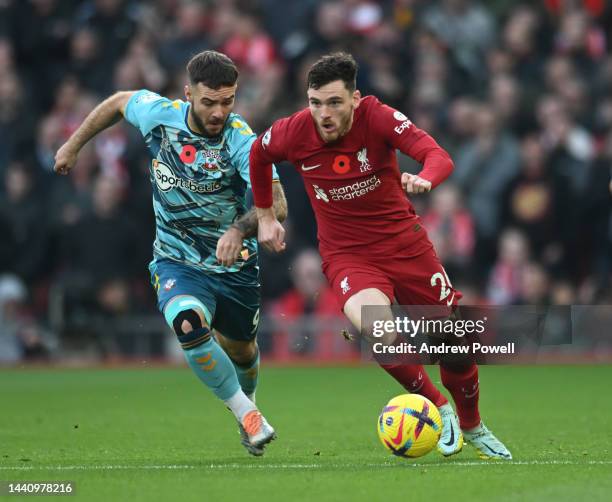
(243, 138)
(146, 110)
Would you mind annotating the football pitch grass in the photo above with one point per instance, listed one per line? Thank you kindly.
(157, 434)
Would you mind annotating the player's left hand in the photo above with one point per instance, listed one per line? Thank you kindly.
(415, 184)
(229, 247)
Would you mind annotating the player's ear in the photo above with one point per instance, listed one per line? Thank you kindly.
(187, 92)
(356, 98)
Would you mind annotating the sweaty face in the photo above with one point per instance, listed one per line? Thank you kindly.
(332, 107)
(209, 107)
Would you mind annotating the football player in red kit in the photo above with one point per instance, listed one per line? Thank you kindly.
(374, 249)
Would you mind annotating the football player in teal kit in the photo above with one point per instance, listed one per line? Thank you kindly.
(204, 266)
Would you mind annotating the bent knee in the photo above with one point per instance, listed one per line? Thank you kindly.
(185, 314)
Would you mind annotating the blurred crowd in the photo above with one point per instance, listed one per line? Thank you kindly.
(519, 93)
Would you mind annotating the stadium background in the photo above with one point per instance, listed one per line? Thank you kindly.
(519, 93)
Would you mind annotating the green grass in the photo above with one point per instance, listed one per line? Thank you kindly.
(157, 434)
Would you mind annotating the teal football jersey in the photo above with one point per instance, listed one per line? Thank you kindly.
(199, 183)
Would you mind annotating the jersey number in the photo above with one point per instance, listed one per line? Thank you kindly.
(445, 284)
(255, 322)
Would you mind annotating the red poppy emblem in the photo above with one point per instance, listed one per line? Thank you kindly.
(342, 164)
(188, 154)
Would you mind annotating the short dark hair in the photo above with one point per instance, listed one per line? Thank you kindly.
(213, 69)
(332, 67)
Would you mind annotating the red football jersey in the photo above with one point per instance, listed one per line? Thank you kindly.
(354, 184)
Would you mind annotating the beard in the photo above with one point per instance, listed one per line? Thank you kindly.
(345, 125)
(201, 125)
(342, 128)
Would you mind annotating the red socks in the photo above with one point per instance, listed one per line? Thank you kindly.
(414, 379)
(462, 386)
(464, 389)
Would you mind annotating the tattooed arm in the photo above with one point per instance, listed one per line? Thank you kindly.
(230, 243)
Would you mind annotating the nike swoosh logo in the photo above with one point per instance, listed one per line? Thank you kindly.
(452, 438)
(469, 395)
(493, 451)
(398, 439)
(417, 389)
(309, 168)
(450, 302)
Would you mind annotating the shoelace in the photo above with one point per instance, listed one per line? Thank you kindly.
(485, 432)
(252, 422)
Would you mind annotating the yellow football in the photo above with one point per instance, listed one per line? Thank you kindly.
(409, 426)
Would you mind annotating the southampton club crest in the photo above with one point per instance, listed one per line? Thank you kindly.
(211, 160)
(202, 163)
(199, 158)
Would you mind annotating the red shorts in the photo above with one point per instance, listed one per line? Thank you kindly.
(416, 280)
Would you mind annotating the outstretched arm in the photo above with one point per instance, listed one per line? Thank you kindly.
(229, 245)
(104, 115)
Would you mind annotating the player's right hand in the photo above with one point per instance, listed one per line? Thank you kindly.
(271, 234)
(65, 159)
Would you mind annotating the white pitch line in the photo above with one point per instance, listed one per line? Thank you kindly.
(173, 467)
